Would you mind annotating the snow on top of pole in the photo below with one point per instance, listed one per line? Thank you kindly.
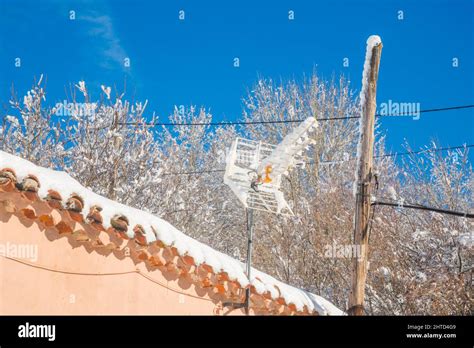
(372, 41)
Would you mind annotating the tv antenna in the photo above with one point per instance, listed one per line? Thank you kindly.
(254, 170)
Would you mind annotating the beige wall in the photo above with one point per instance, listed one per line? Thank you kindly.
(33, 286)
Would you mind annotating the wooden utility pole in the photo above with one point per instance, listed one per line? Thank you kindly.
(363, 190)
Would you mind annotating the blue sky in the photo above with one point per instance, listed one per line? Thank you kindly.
(187, 62)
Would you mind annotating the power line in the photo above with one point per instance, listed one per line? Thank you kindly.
(240, 123)
(343, 161)
(232, 123)
(422, 207)
(417, 152)
(434, 149)
(135, 271)
(195, 172)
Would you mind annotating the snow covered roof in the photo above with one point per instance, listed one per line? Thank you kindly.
(154, 237)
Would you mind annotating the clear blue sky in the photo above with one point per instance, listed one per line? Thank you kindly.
(186, 62)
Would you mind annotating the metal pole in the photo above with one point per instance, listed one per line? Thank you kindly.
(246, 303)
(249, 256)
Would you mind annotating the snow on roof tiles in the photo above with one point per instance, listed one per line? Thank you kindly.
(53, 187)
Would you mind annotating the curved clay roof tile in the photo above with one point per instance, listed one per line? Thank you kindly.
(7, 179)
(30, 183)
(7, 174)
(120, 224)
(75, 203)
(53, 195)
(54, 199)
(94, 215)
(140, 238)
